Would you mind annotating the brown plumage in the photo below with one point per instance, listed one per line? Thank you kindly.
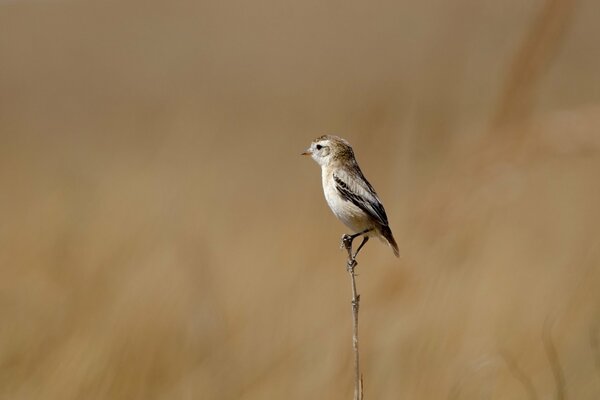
(349, 194)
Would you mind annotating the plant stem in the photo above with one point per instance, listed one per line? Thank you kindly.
(351, 264)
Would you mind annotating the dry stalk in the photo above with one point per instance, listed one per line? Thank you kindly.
(534, 56)
(519, 375)
(350, 265)
(552, 354)
(595, 345)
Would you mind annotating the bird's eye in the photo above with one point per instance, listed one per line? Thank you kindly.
(319, 147)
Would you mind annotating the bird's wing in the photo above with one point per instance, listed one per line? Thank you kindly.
(354, 187)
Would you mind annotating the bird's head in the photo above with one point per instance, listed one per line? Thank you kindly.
(328, 149)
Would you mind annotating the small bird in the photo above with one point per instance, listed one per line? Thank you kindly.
(348, 193)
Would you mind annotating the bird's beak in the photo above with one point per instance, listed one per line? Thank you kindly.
(307, 152)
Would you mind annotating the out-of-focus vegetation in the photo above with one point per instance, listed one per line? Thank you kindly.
(161, 238)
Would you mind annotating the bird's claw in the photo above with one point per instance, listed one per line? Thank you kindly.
(346, 242)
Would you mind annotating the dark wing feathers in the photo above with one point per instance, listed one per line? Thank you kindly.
(356, 189)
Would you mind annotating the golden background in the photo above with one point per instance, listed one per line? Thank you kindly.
(161, 237)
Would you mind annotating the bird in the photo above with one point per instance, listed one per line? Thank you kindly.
(349, 194)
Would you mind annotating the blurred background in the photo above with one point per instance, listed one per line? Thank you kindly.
(161, 237)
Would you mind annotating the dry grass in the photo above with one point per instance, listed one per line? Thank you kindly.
(161, 239)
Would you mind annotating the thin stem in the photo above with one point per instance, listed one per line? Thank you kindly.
(519, 374)
(351, 264)
(552, 354)
(355, 305)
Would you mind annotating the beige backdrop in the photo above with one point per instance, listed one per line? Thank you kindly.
(161, 237)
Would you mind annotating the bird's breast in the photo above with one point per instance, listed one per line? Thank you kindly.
(351, 215)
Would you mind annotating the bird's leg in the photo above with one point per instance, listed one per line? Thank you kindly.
(364, 241)
(347, 239)
(347, 244)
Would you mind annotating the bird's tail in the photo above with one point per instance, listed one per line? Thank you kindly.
(386, 232)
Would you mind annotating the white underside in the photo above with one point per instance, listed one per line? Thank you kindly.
(352, 216)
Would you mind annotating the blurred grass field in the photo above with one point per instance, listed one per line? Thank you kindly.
(161, 237)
